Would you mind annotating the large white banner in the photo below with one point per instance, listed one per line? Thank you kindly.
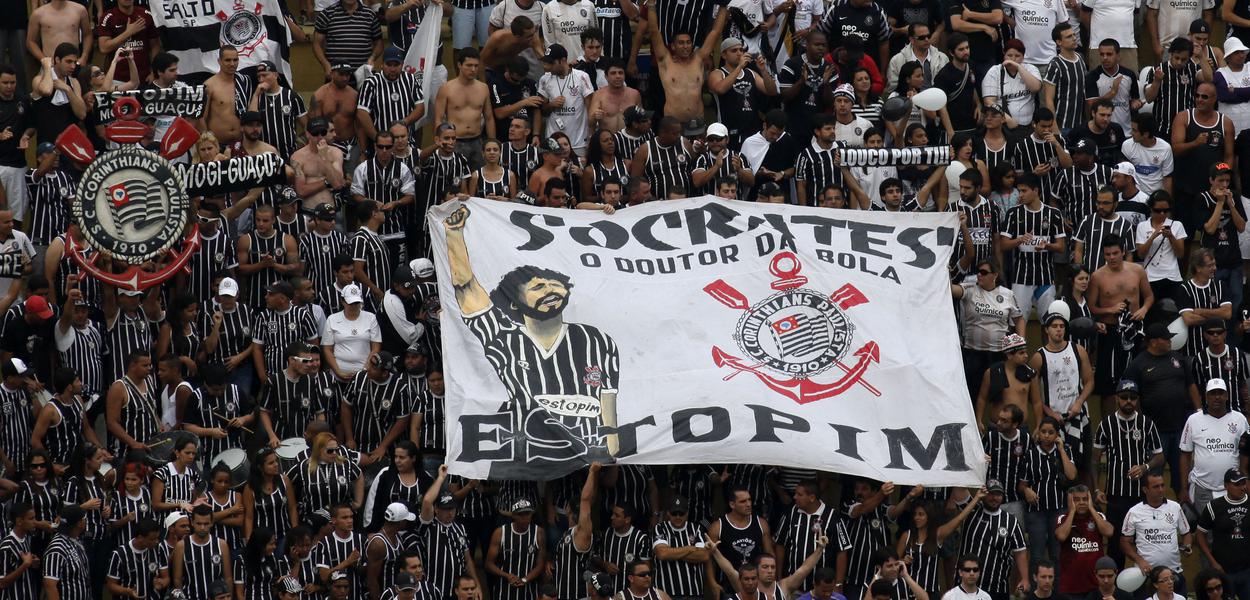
(702, 331)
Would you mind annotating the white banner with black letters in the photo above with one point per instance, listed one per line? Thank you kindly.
(702, 331)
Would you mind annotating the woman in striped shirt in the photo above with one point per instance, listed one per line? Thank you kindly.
(268, 498)
(260, 565)
(867, 104)
(177, 484)
(602, 162)
(180, 335)
(39, 491)
(921, 546)
(227, 509)
(132, 502)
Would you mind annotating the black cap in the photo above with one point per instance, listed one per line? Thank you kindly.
(325, 211)
(1127, 387)
(694, 128)
(281, 287)
(637, 113)
(1084, 145)
(14, 367)
(770, 189)
(994, 485)
(998, 108)
(555, 52)
(1213, 323)
(445, 501)
(384, 360)
(405, 581)
(404, 278)
(251, 116)
(1234, 476)
(549, 146)
(601, 582)
(288, 195)
(266, 66)
(318, 126)
(1199, 26)
(678, 504)
(1156, 331)
(344, 67)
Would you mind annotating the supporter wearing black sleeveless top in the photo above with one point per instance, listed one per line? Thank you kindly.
(740, 535)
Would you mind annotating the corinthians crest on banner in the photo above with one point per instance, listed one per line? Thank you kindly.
(702, 331)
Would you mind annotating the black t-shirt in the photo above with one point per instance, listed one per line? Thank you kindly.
(984, 49)
(1229, 544)
(1108, 142)
(14, 115)
(28, 342)
(906, 12)
(959, 86)
(1164, 383)
(1224, 243)
(503, 93)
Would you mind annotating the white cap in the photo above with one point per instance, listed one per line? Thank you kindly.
(228, 287)
(351, 294)
(1125, 168)
(1232, 45)
(172, 518)
(422, 267)
(396, 511)
(1217, 384)
(717, 130)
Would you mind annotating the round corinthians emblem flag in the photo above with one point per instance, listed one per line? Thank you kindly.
(131, 205)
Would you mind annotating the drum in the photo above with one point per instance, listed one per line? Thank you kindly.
(290, 452)
(161, 447)
(236, 460)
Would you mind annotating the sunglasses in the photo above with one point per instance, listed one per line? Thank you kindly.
(302, 359)
(984, 272)
(383, 146)
(920, 37)
(39, 465)
(1203, 96)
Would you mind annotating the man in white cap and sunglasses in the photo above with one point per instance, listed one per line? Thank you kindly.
(719, 161)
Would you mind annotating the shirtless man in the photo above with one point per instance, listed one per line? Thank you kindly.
(1116, 285)
(683, 67)
(607, 106)
(318, 166)
(222, 112)
(506, 43)
(336, 101)
(57, 22)
(998, 392)
(465, 103)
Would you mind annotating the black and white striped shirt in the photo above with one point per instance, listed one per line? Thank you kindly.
(628, 145)
(1007, 459)
(620, 549)
(1126, 442)
(231, 534)
(333, 550)
(376, 407)
(389, 100)
(433, 437)
(633, 484)
(518, 551)
(865, 534)
(816, 168)
(693, 17)
(1093, 230)
(271, 509)
(1078, 191)
(1029, 152)
(81, 350)
(367, 247)
(292, 403)
(523, 162)
(65, 267)
(1033, 265)
(216, 411)
(202, 564)
(678, 577)
(1068, 77)
(384, 184)
(44, 497)
(63, 438)
(27, 586)
(446, 546)
(65, 562)
(215, 255)
(296, 227)
(984, 226)
(317, 252)
(325, 485)
(128, 333)
(570, 562)
(281, 109)
(1175, 94)
(994, 538)
(138, 417)
(236, 328)
(1191, 296)
(798, 531)
(17, 408)
(274, 330)
(1043, 471)
(439, 174)
(349, 37)
(1229, 365)
(275, 245)
(49, 196)
(123, 504)
(667, 166)
(615, 26)
(133, 568)
(694, 483)
(180, 487)
(81, 489)
(487, 188)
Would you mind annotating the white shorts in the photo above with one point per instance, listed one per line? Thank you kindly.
(14, 181)
(1029, 297)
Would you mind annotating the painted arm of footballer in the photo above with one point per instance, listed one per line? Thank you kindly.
(470, 294)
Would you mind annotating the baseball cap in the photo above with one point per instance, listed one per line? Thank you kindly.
(1220, 168)
(346, 67)
(288, 195)
(325, 211)
(351, 294)
(730, 43)
(769, 189)
(694, 128)
(555, 52)
(1234, 44)
(445, 501)
(318, 126)
(384, 360)
(998, 108)
(251, 116)
(522, 505)
(228, 287)
(396, 512)
(405, 581)
(1213, 323)
(266, 65)
(1127, 386)
(1084, 145)
(601, 582)
(417, 349)
(393, 54)
(1199, 26)
(1051, 317)
(717, 130)
(289, 585)
(994, 485)
(1013, 341)
(15, 367)
(549, 146)
(172, 518)
(38, 306)
(337, 576)
(281, 287)
(44, 148)
(637, 113)
(403, 277)
(422, 267)
(1124, 168)
(678, 504)
(1217, 384)
(1155, 331)
(1234, 476)
(844, 90)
